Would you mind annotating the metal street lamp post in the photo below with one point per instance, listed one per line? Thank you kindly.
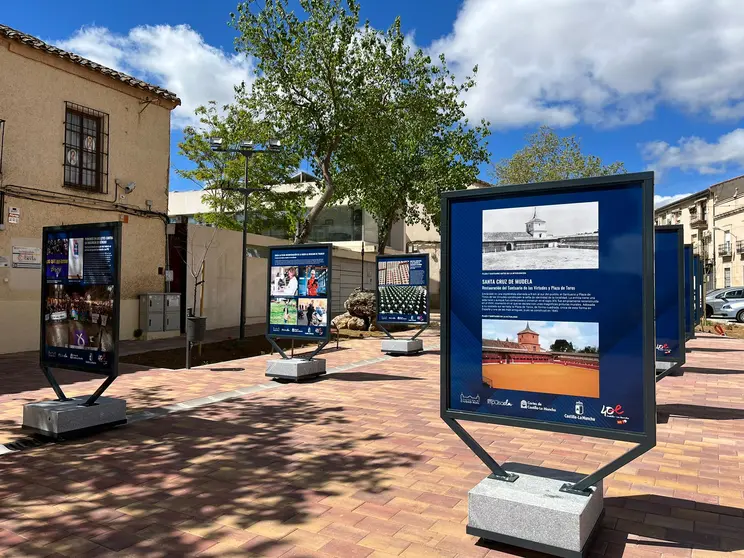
(247, 149)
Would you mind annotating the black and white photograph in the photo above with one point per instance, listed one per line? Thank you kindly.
(562, 236)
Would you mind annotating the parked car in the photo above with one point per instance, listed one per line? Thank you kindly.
(734, 309)
(716, 299)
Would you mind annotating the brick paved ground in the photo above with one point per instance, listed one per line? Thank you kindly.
(359, 464)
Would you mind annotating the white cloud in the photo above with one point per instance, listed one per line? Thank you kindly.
(696, 154)
(661, 201)
(174, 57)
(605, 62)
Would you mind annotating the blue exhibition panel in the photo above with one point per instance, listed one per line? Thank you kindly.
(548, 296)
(403, 289)
(80, 297)
(299, 292)
(669, 293)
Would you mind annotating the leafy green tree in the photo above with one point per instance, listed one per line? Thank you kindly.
(562, 346)
(590, 350)
(548, 156)
(321, 79)
(419, 147)
(220, 173)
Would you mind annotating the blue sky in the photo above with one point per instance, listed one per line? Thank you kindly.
(653, 83)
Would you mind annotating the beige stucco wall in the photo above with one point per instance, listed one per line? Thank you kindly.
(222, 285)
(33, 105)
(730, 217)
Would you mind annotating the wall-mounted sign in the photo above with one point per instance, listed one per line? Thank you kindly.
(669, 281)
(403, 289)
(26, 258)
(547, 306)
(299, 292)
(4, 261)
(80, 297)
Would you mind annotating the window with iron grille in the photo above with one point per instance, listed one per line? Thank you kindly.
(86, 149)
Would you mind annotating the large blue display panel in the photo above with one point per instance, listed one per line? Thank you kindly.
(403, 289)
(669, 293)
(80, 297)
(548, 295)
(689, 327)
(299, 304)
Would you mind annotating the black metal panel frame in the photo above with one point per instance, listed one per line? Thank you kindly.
(699, 288)
(329, 291)
(689, 334)
(679, 230)
(645, 439)
(380, 257)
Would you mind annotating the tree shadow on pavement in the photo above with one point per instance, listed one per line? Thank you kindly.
(665, 522)
(663, 412)
(242, 474)
(21, 373)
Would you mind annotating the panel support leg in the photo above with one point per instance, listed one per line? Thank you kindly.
(497, 472)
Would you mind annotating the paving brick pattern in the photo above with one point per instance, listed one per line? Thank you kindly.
(360, 464)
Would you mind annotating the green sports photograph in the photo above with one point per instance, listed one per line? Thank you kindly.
(283, 311)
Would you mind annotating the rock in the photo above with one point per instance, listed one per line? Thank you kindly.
(341, 321)
(356, 324)
(362, 304)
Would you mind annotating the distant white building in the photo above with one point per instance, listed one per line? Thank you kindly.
(341, 224)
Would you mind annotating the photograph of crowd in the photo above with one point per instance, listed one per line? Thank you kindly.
(313, 280)
(79, 317)
(283, 311)
(390, 272)
(560, 358)
(403, 299)
(312, 312)
(563, 236)
(284, 281)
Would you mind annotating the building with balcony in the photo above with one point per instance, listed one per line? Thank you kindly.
(79, 143)
(713, 222)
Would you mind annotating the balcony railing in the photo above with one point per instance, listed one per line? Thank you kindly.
(698, 221)
(724, 249)
(740, 247)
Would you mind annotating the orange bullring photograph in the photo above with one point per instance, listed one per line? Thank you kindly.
(561, 358)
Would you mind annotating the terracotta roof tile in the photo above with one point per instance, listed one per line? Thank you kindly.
(29, 40)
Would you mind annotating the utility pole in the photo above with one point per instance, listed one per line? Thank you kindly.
(247, 149)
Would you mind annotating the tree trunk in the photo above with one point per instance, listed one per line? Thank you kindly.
(305, 225)
(383, 235)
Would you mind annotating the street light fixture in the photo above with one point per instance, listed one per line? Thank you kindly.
(247, 149)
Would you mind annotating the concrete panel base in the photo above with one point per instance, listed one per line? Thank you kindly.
(295, 368)
(533, 513)
(402, 346)
(67, 419)
(664, 369)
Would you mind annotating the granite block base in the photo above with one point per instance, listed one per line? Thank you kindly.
(71, 418)
(402, 346)
(534, 514)
(295, 369)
